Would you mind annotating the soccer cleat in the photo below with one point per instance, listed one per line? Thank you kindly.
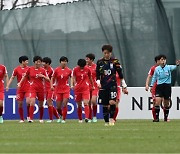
(111, 122)
(86, 120)
(94, 119)
(59, 120)
(41, 121)
(156, 120)
(166, 120)
(89, 120)
(80, 121)
(30, 121)
(49, 121)
(21, 121)
(63, 121)
(1, 120)
(106, 124)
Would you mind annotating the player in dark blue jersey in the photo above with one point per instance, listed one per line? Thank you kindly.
(106, 80)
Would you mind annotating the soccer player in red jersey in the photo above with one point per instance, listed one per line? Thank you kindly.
(36, 74)
(23, 91)
(48, 92)
(3, 74)
(124, 90)
(150, 74)
(61, 76)
(93, 92)
(81, 76)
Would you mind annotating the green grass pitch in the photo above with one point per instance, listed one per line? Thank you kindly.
(127, 136)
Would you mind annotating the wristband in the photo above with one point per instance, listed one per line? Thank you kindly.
(124, 85)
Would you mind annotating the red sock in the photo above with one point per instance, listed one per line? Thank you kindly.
(90, 112)
(65, 112)
(153, 113)
(59, 111)
(28, 110)
(1, 110)
(79, 110)
(94, 110)
(21, 113)
(31, 112)
(55, 112)
(116, 113)
(86, 109)
(41, 112)
(50, 110)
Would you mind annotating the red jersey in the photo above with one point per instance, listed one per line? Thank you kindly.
(36, 83)
(82, 78)
(151, 72)
(93, 72)
(49, 72)
(3, 71)
(61, 76)
(19, 72)
(118, 80)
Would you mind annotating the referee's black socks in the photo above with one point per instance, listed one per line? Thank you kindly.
(106, 113)
(157, 110)
(166, 113)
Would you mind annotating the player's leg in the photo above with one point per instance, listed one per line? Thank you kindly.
(65, 108)
(27, 105)
(117, 103)
(94, 104)
(103, 99)
(167, 96)
(19, 98)
(50, 105)
(154, 101)
(40, 96)
(86, 98)
(90, 107)
(78, 100)
(31, 108)
(1, 106)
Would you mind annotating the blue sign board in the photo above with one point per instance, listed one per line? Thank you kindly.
(11, 108)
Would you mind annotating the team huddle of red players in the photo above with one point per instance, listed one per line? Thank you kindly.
(42, 81)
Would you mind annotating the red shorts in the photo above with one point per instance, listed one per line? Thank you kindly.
(1, 95)
(61, 96)
(80, 96)
(118, 93)
(94, 92)
(38, 95)
(49, 94)
(20, 95)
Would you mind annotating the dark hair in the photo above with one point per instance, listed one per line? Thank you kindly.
(91, 56)
(161, 56)
(63, 58)
(156, 59)
(81, 62)
(23, 58)
(36, 58)
(107, 47)
(47, 60)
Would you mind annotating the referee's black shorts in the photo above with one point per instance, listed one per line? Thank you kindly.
(105, 95)
(163, 90)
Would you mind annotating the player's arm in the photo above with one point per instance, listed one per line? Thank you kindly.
(120, 73)
(154, 79)
(51, 82)
(9, 82)
(45, 76)
(98, 74)
(149, 77)
(6, 79)
(73, 82)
